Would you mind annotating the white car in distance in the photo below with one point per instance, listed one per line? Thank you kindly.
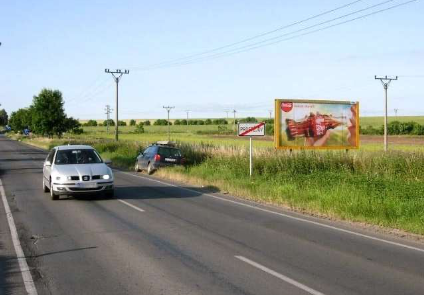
(76, 169)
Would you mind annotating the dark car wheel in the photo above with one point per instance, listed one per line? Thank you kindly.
(52, 194)
(110, 194)
(45, 188)
(150, 169)
(136, 167)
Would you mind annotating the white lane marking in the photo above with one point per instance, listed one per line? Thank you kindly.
(286, 215)
(26, 273)
(280, 276)
(131, 205)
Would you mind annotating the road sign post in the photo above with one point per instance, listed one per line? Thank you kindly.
(251, 130)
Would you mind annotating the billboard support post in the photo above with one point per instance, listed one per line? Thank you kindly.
(251, 157)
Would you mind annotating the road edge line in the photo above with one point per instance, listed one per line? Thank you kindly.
(286, 215)
(23, 265)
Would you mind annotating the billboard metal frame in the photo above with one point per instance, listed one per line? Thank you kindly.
(277, 125)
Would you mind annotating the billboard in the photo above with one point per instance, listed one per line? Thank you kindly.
(316, 124)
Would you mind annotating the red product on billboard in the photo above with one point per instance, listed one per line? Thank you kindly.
(315, 125)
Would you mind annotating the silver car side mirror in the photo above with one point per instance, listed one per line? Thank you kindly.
(47, 163)
(108, 162)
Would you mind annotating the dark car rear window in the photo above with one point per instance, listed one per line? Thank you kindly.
(169, 152)
(77, 156)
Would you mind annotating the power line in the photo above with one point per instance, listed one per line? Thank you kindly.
(270, 42)
(249, 38)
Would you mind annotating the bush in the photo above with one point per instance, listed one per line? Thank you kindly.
(220, 122)
(161, 122)
(111, 122)
(147, 123)
(91, 123)
(248, 120)
(208, 122)
(139, 128)
(122, 123)
(177, 122)
(133, 122)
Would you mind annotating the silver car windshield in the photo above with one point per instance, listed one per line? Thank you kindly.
(77, 156)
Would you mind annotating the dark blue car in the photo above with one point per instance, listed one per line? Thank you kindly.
(160, 154)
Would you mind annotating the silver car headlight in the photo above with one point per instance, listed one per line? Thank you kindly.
(69, 178)
(58, 178)
(107, 176)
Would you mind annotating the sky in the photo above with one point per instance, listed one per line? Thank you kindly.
(67, 45)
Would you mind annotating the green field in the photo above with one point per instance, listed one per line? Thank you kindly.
(379, 121)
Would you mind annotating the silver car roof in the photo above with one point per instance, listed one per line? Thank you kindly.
(74, 147)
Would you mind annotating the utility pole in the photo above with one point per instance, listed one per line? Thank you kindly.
(227, 114)
(187, 111)
(396, 110)
(168, 108)
(108, 112)
(117, 75)
(270, 114)
(234, 111)
(385, 81)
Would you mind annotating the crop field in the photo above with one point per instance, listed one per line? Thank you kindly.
(194, 134)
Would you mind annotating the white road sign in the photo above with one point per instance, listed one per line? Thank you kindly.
(251, 129)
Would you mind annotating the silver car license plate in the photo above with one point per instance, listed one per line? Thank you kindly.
(88, 185)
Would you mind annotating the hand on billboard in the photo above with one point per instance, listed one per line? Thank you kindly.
(312, 141)
(351, 137)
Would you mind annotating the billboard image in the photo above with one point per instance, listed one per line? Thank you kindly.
(316, 124)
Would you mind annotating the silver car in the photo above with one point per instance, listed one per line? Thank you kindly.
(76, 169)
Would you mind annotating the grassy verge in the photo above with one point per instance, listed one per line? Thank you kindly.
(385, 189)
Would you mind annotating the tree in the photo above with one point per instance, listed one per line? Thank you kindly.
(48, 115)
(3, 117)
(111, 122)
(122, 123)
(91, 123)
(133, 122)
(20, 120)
(73, 125)
(139, 128)
(249, 120)
(219, 122)
(161, 122)
(177, 122)
(208, 122)
(147, 123)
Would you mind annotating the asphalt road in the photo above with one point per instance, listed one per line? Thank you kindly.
(161, 238)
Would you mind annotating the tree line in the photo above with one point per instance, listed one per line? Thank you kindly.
(45, 116)
(395, 128)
